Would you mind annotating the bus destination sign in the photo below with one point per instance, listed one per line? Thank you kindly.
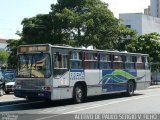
(27, 49)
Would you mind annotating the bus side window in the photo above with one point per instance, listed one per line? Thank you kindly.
(76, 60)
(105, 61)
(129, 62)
(140, 63)
(118, 62)
(60, 62)
(90, 60)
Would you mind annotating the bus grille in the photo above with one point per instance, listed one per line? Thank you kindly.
(31, 84)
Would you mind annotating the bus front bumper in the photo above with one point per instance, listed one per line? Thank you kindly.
(32, 94)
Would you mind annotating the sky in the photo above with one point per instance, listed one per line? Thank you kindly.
(12, 12)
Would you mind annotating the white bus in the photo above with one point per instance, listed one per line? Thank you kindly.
(62, 72)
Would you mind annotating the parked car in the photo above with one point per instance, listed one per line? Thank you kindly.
(2, 87)
(9, 87)
(2, 84)
(9, 75)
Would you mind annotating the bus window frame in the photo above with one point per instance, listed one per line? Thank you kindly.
(140, 65)
(56, 52)
(122, 61)
(90, 60)
(77, 60)
(30, 54)
(130, 62)
(101, 61)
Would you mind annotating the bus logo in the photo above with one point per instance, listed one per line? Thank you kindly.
(77, 75)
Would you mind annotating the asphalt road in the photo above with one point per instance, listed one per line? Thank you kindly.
(144, 101)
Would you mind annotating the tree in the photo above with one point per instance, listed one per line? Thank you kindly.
(3, 57)
(37, 29)
(74, 22)
(150, 44)
(146, 44)
(12, 48)
(127, 39)
(85, 22)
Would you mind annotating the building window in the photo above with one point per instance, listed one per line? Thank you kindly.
(128, 26)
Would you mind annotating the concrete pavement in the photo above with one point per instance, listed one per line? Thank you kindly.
(154, 86)
(9, 98)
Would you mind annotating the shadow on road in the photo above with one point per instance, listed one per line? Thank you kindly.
(32, 105)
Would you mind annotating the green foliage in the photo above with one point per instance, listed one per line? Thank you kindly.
(3, 57)
(74, 22)
(150, 44)
(12, 47)
(127, 39)
(37, 29)
(84, 22)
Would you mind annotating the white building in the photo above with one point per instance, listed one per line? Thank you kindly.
(143, 24)
(3, 43)
(155, 8)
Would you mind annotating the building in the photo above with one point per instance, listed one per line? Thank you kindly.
(148, 22)
(155, 8)
(143, 24)
(3, 43)
(147, 11)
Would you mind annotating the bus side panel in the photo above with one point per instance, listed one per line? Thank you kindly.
(113, 81)
(141, 79)
(75, 76)
(92, 78)
(61, 89)
(148, 78)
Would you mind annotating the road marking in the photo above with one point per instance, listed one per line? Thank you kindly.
(60, 109)
(100, 105)
(20, 104)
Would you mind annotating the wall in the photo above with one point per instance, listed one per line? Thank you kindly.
(143, 24)
(133, 19)
(150, 24)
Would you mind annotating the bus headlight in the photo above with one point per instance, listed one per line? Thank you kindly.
(46, 88)
(18, 87)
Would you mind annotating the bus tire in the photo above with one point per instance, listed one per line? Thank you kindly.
(7, 92)
(130, 88)
(78, 94)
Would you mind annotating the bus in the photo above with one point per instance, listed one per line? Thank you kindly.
(57, 72)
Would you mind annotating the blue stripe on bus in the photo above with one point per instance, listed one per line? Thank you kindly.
(111, 82)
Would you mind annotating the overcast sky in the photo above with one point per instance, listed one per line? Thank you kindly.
(12, 12)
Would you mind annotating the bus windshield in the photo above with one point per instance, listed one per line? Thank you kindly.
(34, 65)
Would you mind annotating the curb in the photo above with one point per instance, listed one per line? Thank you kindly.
(154, 87)
(12, 102)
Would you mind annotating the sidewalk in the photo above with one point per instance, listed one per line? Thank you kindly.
(10, 98)
(154, 86)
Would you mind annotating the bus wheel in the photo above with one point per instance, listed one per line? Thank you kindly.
(130, 89)
(6, 92)
(78, 94)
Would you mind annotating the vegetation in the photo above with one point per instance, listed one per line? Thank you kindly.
(3, 57)
(84, 22)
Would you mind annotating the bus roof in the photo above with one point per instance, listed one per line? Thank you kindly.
(85, 49)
